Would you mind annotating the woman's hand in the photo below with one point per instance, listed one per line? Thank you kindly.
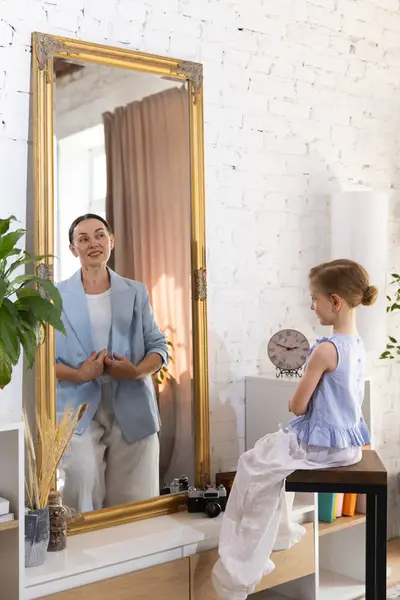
(120, 367)
(92, 367)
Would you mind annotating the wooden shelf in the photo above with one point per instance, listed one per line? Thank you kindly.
(270, 595)
(9, 525)
(334, 586)
(339, 524)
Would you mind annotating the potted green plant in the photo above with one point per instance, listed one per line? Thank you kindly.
(27, 303)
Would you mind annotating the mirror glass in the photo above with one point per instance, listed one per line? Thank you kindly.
(122, 154)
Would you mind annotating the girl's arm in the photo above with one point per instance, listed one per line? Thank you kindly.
(324, 359)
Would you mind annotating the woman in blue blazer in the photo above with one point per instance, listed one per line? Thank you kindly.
(111, 348)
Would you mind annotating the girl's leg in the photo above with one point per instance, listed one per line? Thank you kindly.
(289, 532)
(253, 514)
(325, 458)
(256, 508)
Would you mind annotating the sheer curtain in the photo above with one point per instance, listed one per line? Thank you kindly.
(148, 208)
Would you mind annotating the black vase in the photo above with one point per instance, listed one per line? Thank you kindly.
(37, 535)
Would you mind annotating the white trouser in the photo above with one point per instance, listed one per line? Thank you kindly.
(102, 469)
(257, 516)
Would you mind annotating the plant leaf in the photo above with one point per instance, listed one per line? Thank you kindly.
(393, 340)
(52, 292)
(40, 307)
(26, 259)
(5, 224)
(5, 366)
(9, 330)
(30, 342)
(47, 287)
(28, 319)
(8, 242)
(3, 290)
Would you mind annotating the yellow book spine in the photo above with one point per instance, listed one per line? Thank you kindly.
(335, 506)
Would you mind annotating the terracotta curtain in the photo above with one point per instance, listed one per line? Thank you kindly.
(148, 208)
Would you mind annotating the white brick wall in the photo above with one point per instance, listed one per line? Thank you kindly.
(301, 99)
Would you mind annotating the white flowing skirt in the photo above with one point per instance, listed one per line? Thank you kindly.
(257, 517)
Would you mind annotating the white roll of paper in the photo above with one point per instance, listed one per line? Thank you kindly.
(359, 231)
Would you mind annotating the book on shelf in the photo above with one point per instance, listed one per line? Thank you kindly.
(7, 518)
(335, 504)
(326, 507)
(361, 504)
(349, 505)
(339, 506)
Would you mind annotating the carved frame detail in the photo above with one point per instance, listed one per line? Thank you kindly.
(194, 74)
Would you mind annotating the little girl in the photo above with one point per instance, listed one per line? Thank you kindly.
(328, 431)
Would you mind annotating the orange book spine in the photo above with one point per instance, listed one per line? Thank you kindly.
(349, 505)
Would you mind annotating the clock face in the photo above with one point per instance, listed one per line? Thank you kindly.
(288, 349)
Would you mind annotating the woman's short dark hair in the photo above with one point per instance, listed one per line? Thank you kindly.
(85, 218)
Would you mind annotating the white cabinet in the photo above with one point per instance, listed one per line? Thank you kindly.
(267, 406)
(339, 548)
(12, 488)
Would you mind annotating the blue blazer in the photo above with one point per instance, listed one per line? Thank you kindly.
(134, 334)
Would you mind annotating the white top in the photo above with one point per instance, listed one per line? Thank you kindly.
(99, 306)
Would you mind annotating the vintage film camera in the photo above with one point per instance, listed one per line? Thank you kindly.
(210, 501)
(179, 484)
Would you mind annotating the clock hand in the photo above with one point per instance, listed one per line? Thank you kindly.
(288, 347)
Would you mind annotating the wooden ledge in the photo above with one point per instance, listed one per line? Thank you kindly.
(369, 471)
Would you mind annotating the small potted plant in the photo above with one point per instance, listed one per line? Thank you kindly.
(41, 470)
(27, 303)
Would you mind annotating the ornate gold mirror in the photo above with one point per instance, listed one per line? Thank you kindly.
(119, 203)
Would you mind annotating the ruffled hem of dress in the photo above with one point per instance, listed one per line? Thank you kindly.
(326, 436)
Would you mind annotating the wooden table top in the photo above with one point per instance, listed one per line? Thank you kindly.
(369, 471)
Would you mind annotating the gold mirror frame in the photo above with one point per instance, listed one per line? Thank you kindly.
(45, 49)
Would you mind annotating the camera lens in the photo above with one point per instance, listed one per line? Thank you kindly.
(213, 509)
